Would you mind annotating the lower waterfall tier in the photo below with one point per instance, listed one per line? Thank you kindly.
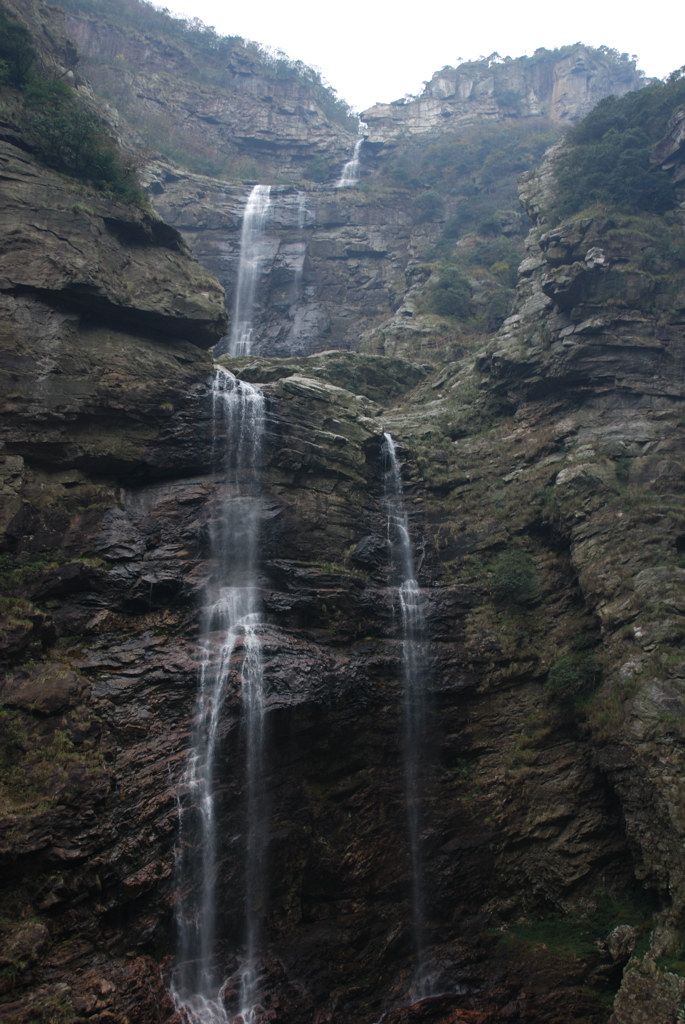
(535, 892)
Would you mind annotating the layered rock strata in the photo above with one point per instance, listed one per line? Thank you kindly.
(224, 108)
(335, 260)
(561, 85)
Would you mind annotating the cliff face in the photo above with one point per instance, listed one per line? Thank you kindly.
(595, 324)
(105, 322)
(334, 261)
(229, 110)
(542, 478)
(562, 85)
(340, 263)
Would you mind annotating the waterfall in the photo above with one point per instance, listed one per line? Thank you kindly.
(350, 172)
(249, 268)
(414, 700)
(230, 637)
(301, 210)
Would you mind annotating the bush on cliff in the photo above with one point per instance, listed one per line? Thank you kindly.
(608, 156)
(63, 133)
(514, 581)
(451, 293)
(71, 139)
(213, 52)
(17, 54)
(572, 675)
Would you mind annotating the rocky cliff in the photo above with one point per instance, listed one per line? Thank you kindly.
(222, 106)
(342, 262)
(106, 319)
(335, 261)
(562, 85)
(541, 470)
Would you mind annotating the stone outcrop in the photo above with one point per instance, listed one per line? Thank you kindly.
(82, 279)
(86, 253)
(518, 819)
(341, 263)
(595, 322)
(670, 152)
(104, 323)
(561, 85)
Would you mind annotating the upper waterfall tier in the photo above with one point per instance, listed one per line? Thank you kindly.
(350, 172)
(251, 263)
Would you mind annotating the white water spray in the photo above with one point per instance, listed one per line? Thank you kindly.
(230, 634)
(252, 256)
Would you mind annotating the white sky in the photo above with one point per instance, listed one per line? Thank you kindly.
(377, 50)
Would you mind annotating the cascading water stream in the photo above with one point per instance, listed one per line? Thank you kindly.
(350, 171)
(414, 701)
(252, 255)
(230, 631)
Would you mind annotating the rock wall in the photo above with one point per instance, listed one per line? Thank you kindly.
(228, 110)
(342, 262)
(562, 85)
(336, 260)
(105, 319)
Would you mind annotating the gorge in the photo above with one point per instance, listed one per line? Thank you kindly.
(342, 539)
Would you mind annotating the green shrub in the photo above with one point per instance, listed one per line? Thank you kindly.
(509, 100)
(453, 226)
(64, 134)
(608, 156)
(17, 55)
(514, 580)
(318, 169)
(498, 308)
(428, 207)
(572, 675)
(70, 139)
(451, 294)
(490, 225)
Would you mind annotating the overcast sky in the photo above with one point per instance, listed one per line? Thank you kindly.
(376, 50)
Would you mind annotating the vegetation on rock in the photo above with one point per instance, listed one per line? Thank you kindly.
(608, 156)
(64, 134)
(213, 50)
(73, 140)
(17, 55)
(513, 579)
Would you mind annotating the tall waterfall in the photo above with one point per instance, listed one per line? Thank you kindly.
(230, 636)
(414, 701)
(249, 268)
(350, 172)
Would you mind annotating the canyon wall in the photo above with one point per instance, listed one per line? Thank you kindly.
(542, 475)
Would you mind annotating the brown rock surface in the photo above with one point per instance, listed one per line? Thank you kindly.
(116, 262)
